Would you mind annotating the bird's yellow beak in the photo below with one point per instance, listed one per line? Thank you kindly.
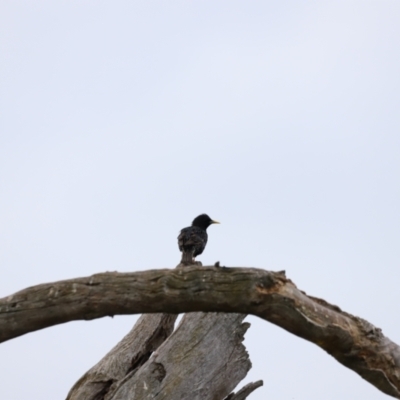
(215, 222)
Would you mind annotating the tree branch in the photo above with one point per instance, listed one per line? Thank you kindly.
(204, 359)
(149, 332)
(353, 341)
(245, 391)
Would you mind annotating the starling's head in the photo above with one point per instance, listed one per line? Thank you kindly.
(203, 221)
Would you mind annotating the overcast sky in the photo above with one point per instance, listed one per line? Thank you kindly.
(121, 121)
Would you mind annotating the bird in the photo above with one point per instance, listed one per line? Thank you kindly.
(193, 239)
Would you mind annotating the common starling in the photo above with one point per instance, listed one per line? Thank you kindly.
(193, 239)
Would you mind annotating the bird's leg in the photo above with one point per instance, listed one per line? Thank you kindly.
(192, 261)
(187, 257)
(196, 262)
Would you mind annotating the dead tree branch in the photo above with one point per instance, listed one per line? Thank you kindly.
(353, 341)
(149, 332)
(204, 359)
(243, 393)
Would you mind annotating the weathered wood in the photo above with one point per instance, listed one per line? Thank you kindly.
(245, 391)
(149, 332)
(204, 359)
(351, 340)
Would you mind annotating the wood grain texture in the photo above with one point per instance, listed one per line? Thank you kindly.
(149, 332)
(243, 393)
(204, 359)
(353, 341)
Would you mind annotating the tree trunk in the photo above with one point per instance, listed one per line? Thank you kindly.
(149, 332)
(204, 359)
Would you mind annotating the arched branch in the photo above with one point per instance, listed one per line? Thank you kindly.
(353, 341)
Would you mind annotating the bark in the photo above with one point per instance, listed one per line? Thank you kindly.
(204, 359)
(243, 393)
(149, 332)
(353, 341)
(149, 363)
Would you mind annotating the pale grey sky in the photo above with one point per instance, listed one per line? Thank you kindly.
(121, 121)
